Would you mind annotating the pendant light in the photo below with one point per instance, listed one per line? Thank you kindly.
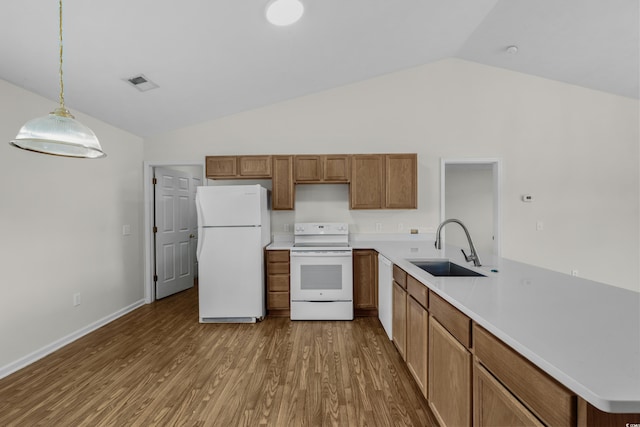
(59, 133)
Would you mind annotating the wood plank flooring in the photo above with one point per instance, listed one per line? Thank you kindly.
(159, 366)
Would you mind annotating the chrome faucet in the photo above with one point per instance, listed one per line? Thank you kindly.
(473, 256)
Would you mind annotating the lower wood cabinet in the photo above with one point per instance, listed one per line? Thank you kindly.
(494, 405)
(449, 377)
(278, 270)
(399, 320)
(365, 282)
(470, 377)
(417, 342)
(551, 402)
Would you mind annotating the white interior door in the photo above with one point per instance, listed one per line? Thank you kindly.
(174, 206)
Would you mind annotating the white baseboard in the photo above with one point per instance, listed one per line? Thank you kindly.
(48, 349)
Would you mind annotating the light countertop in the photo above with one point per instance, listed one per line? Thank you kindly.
(584, 334)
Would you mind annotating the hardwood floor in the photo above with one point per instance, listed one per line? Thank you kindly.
(159, 366)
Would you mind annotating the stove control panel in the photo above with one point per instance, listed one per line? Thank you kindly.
(320, 228)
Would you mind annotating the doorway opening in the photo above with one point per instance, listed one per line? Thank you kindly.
(470, 190)
(179, 256)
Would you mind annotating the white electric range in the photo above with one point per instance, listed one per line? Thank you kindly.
(321, 272)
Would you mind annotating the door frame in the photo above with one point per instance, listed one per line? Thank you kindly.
(149, 249)
(496, 164)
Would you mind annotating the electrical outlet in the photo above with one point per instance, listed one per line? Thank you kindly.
(400, 227)
(76, 300)
(126, 230)
(574, 272)
(378, 227)
(286, 227)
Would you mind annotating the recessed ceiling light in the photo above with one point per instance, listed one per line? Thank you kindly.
(513, 49)
(284, 12)
(141, 82)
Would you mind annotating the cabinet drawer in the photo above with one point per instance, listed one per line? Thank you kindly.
(549, 400)
(400, 276)
(277, 256)
(277, 300)
(418, 291)
(278, 283)
(451, 318)
(278, 268)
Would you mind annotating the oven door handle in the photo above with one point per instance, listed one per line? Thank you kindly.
(322, 254)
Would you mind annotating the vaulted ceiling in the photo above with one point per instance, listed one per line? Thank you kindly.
(212, 58)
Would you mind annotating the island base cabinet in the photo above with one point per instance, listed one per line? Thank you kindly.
(449, 377)
(494, 405)
(590, 416)
(399, 322)
(417, 342)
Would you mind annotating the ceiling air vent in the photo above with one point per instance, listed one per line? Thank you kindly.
(141, 82)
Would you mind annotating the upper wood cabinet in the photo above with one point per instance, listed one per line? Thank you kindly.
(238, 167)
(384, 181)
(401, 181)
(367, 181)
(330, 168)
(365, 282)
(283, 189)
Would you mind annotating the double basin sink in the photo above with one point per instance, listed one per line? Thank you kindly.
(444, 267)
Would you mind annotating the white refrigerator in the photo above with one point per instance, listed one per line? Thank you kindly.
(234, 226)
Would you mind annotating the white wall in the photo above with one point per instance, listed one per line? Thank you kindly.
(574, 149)
(61, 225)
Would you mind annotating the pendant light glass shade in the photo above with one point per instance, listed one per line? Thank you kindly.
(59, 133)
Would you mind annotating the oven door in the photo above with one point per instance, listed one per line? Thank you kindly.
(321, 275)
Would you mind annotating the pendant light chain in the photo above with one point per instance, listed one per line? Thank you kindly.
(61, 80)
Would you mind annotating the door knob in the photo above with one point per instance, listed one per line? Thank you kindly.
(191, 236)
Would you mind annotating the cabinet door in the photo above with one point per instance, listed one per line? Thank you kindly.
(365, 282)
(254, 166)
(449, 377)
(401, 181)
(494, 405)
(336, 168)
(399, 325)
(367, 181)
(308, 169)
(283, 191)
(218, 167)
(417, 341)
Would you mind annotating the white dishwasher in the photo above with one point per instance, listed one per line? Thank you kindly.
(385, 288)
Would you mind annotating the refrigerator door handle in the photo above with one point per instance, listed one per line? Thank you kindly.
(200, 233)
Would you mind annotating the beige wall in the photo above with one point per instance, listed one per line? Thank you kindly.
(574, 149)
(61, 225)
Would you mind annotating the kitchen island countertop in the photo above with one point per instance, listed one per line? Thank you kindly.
(583, 333)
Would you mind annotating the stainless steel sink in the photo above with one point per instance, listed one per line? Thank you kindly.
(444, 267)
